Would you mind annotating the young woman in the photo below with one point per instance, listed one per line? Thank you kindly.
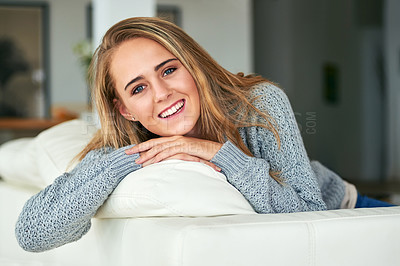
(160, 96)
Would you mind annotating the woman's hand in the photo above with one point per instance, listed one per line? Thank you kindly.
(176, 147)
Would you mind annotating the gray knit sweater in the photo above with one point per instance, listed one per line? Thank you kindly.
(62, 212)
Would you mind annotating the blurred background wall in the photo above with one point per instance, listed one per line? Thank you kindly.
(339, 63)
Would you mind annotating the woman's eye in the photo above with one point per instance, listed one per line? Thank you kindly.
(169, 71)
(138, 89)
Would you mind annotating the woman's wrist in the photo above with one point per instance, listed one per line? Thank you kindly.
(230, 158)
(122, 163)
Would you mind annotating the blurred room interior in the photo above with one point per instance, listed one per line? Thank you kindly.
(337, 60)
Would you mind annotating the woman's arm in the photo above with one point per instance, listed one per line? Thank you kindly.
(61, 213)
(251, 175)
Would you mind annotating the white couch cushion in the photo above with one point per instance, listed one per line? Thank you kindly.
(18, 163)
(38, 161)
(56, 147)
(174, 188)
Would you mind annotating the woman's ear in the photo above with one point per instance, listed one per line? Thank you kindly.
(122, 109)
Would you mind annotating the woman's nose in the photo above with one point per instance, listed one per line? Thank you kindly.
(161, 91)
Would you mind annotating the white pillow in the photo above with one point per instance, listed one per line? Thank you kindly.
(18, 164)
(56, 147)
(174, 188)
(38, 161)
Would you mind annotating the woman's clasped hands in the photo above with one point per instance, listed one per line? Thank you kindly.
(176, 147)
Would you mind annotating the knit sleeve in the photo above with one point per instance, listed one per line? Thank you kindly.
(251, 174)
(62, 212)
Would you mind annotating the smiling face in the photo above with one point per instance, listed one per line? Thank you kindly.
(155, 88)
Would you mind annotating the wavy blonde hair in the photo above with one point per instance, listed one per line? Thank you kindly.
(225, 103)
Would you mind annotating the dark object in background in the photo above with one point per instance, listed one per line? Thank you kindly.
(12, 62)
(331, 83)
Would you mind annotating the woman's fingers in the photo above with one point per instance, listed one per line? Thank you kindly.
(161, 152)
(216, 168)
(176, 147)
(200, 148)
(144, 146)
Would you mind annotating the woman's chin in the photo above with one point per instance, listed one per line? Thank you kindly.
(188, 132)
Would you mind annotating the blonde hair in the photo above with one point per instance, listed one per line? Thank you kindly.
(224, 97)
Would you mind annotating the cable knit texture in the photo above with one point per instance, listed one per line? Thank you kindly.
(61, 213)
(303, 181)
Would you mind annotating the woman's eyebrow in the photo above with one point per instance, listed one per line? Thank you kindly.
(133, 81)
(156, 68)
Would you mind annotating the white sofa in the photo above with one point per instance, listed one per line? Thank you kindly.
(176, 218)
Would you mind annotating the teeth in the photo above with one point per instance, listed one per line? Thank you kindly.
(172, 110)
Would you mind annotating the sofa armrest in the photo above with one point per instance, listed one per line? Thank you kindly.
(339, 237)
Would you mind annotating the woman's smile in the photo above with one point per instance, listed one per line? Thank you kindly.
(173, 110)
